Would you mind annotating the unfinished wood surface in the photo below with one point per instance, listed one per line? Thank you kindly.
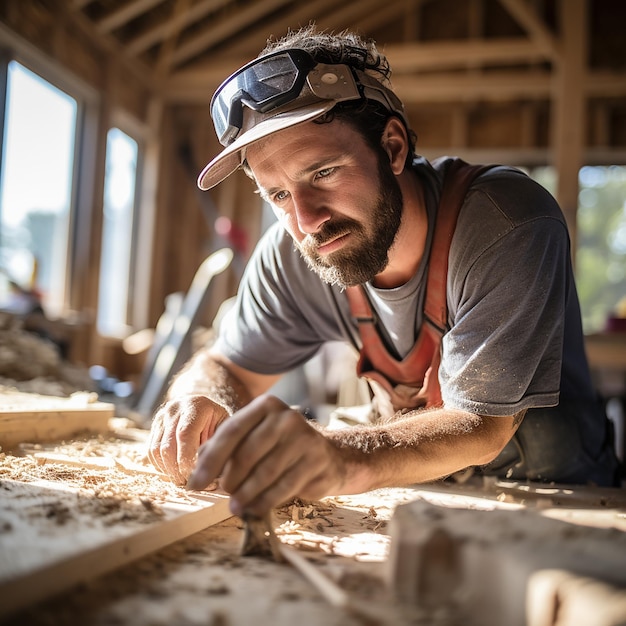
(64, 523)
(201, 579)
(204, 580)
(486, 562)
(26, 417)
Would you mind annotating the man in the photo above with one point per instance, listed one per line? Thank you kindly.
(314, 123)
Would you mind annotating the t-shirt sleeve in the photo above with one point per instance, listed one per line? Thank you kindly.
(507, 299)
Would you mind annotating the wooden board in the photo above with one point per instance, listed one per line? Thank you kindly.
(493, 564)
(26, 417)
(203, 579)
(62, 524)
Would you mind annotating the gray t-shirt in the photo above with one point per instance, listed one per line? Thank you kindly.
(515, 338)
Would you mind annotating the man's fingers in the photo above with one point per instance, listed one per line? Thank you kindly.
(216, 451)
(177, 431)
(156, 435)
(293, 481)
(265, 452)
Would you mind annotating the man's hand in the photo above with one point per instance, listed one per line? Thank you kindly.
(179, 428)
(265, 454)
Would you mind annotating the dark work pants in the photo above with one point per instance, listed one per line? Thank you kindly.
(570, 444)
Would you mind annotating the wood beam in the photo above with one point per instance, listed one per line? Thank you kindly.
(569, 102)
(147, 215)
(528, 19)
(225, 28)
(249, 46)
(386, 13)
(410, 8)
(109, 46)
(463, 87)
(124, 14)
(405, 58)
(160, 32)
(180, 8)
(348, 12)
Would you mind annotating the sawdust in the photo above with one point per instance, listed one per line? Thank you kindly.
(34, 364)
(109, 493)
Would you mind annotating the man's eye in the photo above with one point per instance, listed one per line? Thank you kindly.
(280, 196)
(327, 171)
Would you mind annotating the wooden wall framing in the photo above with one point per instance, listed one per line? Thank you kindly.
(516, 81)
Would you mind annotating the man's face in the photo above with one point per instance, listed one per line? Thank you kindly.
(337, 198)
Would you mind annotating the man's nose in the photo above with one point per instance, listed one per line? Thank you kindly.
(310, 210)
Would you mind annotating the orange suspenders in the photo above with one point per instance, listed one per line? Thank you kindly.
(413, 382)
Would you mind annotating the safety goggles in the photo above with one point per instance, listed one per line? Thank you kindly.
(289, 77)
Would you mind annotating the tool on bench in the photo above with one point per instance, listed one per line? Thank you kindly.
(260, 540)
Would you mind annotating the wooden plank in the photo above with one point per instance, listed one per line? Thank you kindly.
(488, 560)
(55, 534)
(34, 418)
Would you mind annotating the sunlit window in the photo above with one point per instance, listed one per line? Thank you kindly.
(35, 192)
(601, 253)
(601, 240)
(117, 233)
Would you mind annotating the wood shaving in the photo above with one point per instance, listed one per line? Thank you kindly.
(112, 493)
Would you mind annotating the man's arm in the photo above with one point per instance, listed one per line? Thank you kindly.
(267, 453)
(203, 394)
(421, 446)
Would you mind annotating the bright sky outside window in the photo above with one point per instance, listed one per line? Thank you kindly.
(601, 240)
(117, 232)
(35, 189)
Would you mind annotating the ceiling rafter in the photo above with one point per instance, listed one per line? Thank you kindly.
(408, 57)
(125, 14)
(157, 34)
(253, 43)
(225, 28)
(348, 12)
(169, 44)
(528, 19)
(235, 52)
(108, 44)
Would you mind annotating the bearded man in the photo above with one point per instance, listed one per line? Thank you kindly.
(500, 383)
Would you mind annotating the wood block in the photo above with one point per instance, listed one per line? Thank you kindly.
(34, 418)
(558, 598)
(483, 562)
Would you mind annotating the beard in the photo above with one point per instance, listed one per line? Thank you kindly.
(368, 253)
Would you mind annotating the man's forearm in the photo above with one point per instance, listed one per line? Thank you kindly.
(204, 375)
(421, 446)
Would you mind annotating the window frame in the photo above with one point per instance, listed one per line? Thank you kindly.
(94, 117)
(12, 48)
(137, 132)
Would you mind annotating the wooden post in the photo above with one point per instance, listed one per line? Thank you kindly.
(568, 110)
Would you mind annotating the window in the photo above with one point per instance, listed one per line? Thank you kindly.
(601, 253)
(601, 240)
(35, 191)
(117, 233)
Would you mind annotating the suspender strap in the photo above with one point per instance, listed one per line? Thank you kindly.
(456, 183)
(419, 368)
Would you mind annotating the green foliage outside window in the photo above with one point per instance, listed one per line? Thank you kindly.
(601, 241)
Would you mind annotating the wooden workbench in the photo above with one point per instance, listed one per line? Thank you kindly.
(200, 576)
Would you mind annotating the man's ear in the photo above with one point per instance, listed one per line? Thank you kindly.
(395, 143)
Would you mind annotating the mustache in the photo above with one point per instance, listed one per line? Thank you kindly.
(329, 232)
